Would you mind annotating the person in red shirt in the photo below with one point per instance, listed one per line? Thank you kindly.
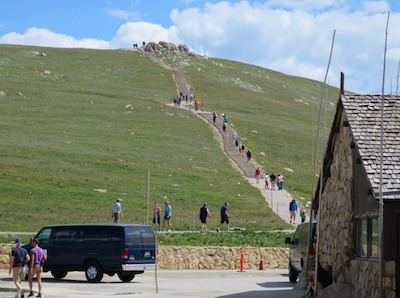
(258, 172)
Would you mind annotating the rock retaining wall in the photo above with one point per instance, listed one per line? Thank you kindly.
(209, 257)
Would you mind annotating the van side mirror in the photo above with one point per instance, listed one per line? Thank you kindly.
(288, 240)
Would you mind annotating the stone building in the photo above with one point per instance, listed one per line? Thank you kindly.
(348, 195)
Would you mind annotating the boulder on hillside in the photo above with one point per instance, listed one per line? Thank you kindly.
(166, 47)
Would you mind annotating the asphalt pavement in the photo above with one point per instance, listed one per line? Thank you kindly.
(272, 283)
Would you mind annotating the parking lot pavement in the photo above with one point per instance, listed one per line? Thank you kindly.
(170, 283)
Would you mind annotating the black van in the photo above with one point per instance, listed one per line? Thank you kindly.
(125, 249)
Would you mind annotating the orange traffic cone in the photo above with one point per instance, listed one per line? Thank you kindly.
(261, 263)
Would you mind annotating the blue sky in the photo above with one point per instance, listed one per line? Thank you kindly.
(291, 36)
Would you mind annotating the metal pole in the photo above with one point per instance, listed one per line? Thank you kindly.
(380, 224)
(156, 260)
(148, 197)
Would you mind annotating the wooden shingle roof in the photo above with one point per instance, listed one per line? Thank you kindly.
(364, 117)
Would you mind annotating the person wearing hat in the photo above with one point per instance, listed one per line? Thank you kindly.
(19, 256)
(117, 211)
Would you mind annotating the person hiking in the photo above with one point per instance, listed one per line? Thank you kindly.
(116, 211)
(258, 172)
(204, 213)
(167, 216)
(293, 210)
(224, 217)
(157, 217)
(248, 154)
(272, 179)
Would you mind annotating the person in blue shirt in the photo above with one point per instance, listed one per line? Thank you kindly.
(224, 216)
(167, 215)
(293, 210)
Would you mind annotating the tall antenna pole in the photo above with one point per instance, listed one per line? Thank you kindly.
(398, 75)
(314, 169)
(380, 225)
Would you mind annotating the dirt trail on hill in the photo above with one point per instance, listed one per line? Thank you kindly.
(278, 201)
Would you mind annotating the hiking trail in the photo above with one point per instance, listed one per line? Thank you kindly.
(278, 201)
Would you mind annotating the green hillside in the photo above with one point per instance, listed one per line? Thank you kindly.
(75, 122)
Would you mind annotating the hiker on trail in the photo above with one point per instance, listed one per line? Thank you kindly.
(196, 105)
(258, 172)
(293, 210)
(224, 217)
(272, 179)
(234, 135)
(303, 214)
(204, 213)
(157, 217)
(214, 117)
(248, 154)
(279, 180)
(224, 126)
(266, 179)
(116, 211)
(191, 97)
(19, 256)
(237, 143)
(167, 216)
(225, 118)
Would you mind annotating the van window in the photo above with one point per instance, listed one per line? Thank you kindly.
(139, 235)
(44, 236)
(93, 235)
(61, 236)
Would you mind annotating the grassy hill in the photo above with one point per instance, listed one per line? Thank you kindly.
(76, 121)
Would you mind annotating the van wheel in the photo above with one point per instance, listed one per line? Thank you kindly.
(59, 274)
(292, 274)
(126, 277)
(93, 272)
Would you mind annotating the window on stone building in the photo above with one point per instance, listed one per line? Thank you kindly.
(374, 237)
(366, 235)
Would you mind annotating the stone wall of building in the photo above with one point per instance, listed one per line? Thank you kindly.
(209, 257)
(336, 218)
(336, 221)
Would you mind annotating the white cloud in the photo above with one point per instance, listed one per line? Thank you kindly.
(44, 37)
(295, 42)
(125, 15)
(376, 6)
(137, 32)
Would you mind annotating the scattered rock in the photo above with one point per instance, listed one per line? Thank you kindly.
(2, 93)
(35, 53)
(100, 190)
(128, 106)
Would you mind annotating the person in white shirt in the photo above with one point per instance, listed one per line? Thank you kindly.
(117, 211)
